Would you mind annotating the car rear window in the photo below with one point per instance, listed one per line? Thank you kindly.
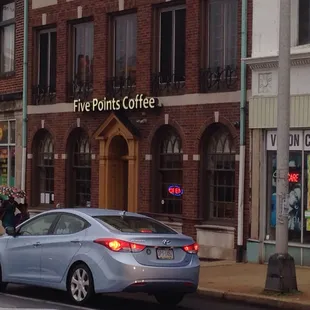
(134, 224)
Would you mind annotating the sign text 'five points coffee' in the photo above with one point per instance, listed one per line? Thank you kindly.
(139, 102)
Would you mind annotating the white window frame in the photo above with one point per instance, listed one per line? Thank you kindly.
(224, 32)
(9, 145)
(49, 31)
(169, 9)
(114, 41)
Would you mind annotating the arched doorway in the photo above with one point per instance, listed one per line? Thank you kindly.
(118, 164)
(118, 174)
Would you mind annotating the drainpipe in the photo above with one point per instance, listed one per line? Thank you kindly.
(25, 95)
(243, 98)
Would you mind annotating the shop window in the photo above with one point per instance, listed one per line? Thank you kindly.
(44, 92)
(79, 170)
(304, 22)
(168, 171)
(7, 153)
(7, 37)
(294, 196)
(83, 59)
(218, 174)
(45, 168)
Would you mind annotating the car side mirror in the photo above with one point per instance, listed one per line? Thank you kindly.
(10, 231)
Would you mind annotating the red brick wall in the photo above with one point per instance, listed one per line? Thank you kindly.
(190, 119)
(14, 83)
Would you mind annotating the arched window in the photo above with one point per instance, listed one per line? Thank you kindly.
(79, 170)
(218, 174)
(168, 171)
(45, 168)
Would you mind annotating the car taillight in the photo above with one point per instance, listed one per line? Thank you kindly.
(192, 248)
(116, 245)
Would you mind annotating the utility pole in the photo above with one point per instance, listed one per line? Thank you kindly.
(281, 273)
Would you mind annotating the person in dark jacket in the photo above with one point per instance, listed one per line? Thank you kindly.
(8, 209)
(23, 215)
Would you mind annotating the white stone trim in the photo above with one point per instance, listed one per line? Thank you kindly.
(166, 119)
(79, 12)
(299, 57)
(196, 157)
(121, 5)
(55, 156)
(63, 156)
(148, 157)
(185, 157)
(29, 156)
(44, 18)
(93, 156)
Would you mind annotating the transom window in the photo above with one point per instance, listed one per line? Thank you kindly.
(46, 169)
(222, 33)
(7, 37)
(169, 171)
(218, 179)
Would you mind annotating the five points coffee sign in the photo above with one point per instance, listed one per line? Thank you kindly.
(298, 140)
(137, 103)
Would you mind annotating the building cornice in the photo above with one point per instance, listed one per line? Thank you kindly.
(271, 62)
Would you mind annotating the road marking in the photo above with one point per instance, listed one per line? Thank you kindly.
(54, 303)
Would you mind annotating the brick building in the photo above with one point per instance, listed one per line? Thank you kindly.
(11, 85)
(177, 158)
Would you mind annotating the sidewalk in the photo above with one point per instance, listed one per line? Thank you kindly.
(245, 282)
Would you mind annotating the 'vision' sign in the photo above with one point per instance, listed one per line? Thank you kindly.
(298, 140)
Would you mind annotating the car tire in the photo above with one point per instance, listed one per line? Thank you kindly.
(80, 284)
(3, 285)
(169, 299)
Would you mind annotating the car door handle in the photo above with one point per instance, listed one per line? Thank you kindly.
(37, 244)
(75, 241)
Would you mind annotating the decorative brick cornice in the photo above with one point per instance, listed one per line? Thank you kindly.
(271, 62)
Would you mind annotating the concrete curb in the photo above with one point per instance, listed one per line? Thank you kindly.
(253, 299)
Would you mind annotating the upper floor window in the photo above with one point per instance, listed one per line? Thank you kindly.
(45, 90)
(222, 33)
(83, 52)
(125, 48)
(172, 44)
(83, 59)
(304, 22)
(47, 58)
(7, 37)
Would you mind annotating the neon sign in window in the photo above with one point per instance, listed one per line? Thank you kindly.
(293, 177)
(175, 190)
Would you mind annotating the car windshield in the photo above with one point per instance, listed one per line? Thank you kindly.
(134, 224)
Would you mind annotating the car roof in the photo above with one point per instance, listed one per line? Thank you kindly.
(94, 212)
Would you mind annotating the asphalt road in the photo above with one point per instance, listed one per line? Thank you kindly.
(22, 297)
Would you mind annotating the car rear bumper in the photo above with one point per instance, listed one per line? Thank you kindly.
(111, 276)
(153, 286)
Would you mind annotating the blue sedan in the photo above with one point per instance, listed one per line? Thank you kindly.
(90, 251)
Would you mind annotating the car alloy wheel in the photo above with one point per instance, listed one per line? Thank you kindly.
(80, 284)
